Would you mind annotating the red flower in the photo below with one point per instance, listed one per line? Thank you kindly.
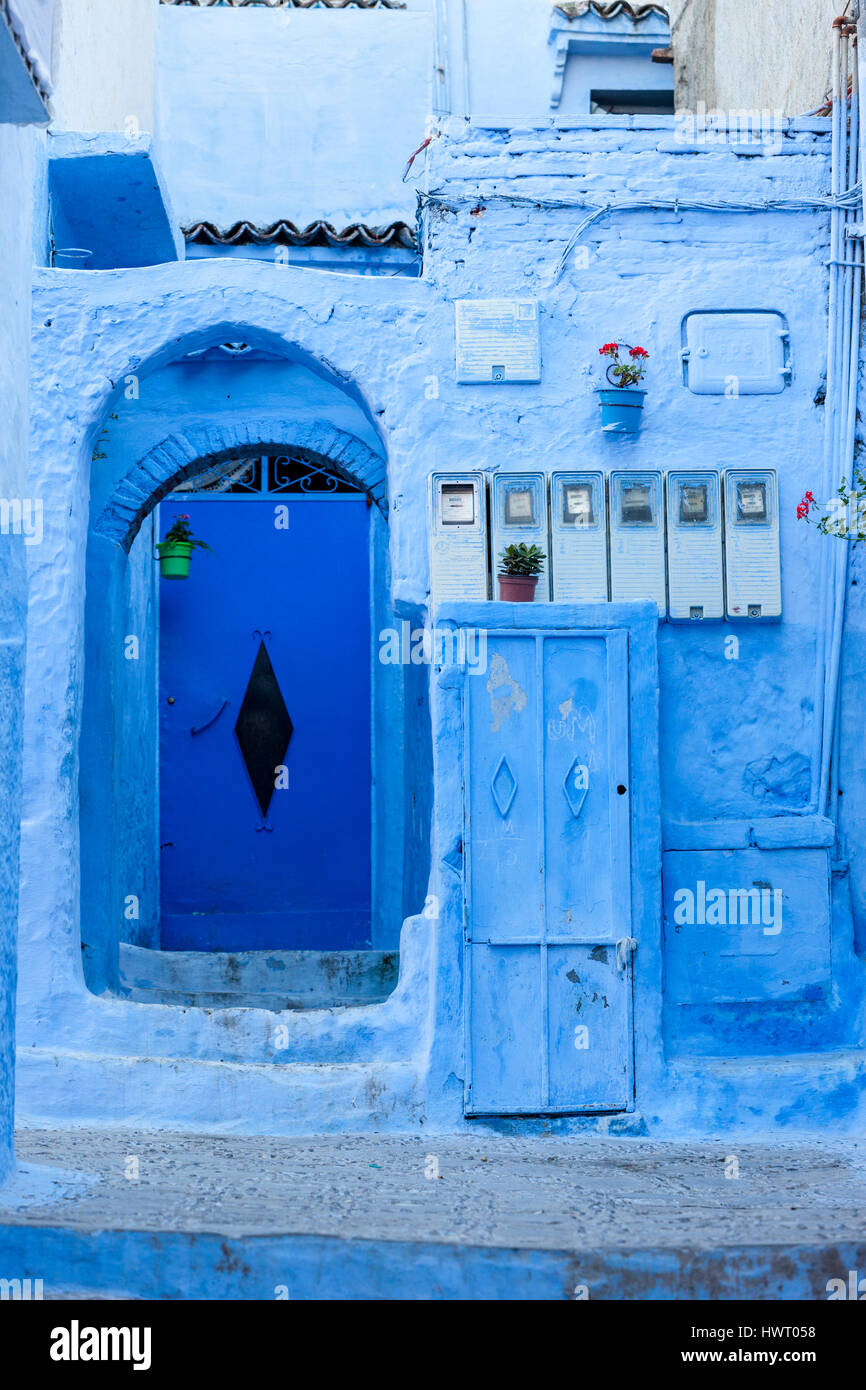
(609, 350)
(806, 506)
(638, 352)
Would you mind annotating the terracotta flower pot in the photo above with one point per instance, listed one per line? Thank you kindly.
(517, 588)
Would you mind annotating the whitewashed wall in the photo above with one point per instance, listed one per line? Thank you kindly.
(103, 65)
(760, 54)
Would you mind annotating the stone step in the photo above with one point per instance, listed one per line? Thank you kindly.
(125, 1213)
(257, 979)
(278, 1097)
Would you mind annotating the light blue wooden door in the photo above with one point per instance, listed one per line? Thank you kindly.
(548, 974)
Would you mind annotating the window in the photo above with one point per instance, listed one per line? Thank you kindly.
(613, 60)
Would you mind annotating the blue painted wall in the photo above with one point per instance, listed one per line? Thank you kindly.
(107, 196)
(263, 116)
(722, 737)
(303, 114)
(12, 615)
(18, 162)
(119, 849)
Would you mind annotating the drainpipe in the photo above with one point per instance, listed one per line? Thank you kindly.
(846, 278)
(467, 98)
(854, 241)
(858, 14)
(442, 74)
(827, 485)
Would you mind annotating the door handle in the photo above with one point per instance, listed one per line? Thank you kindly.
(625, 949)
(200, 728)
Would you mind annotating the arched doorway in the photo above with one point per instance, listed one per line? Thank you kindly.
(265, 712)
(213, 871)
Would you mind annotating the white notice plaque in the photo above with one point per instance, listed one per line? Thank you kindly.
(498, 340)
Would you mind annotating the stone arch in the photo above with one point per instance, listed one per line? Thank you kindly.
(181, 456)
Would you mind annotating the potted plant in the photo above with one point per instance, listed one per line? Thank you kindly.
(176, 550)
(621, 406)
(519, 568)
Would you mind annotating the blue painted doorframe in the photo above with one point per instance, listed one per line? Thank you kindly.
(547, 923)
(265, 775)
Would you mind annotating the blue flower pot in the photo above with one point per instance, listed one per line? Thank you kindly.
(621, 410)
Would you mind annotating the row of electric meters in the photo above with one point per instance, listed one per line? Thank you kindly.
(704, 545)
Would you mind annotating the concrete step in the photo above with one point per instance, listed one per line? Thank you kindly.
(126, 1213)
(277, 1097)
(257, 979)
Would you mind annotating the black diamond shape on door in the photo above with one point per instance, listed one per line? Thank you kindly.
(263, 728)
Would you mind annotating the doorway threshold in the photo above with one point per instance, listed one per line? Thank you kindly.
(275, 980)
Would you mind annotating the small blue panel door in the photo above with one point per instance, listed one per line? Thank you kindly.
(265, 778)
(548, 904)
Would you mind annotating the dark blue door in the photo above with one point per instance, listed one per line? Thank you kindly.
(265, 780)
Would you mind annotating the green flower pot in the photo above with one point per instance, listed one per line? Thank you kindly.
(174, 558)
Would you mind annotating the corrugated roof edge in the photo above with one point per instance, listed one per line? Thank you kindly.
(292, 4)
(41, 81)
(574, 10)
(316, 234)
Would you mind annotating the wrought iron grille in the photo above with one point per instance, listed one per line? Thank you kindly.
(269, 474)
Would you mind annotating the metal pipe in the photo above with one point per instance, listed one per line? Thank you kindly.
(837, 424)
(835, 761)
(853, 365)
(840, 175)
(845, 425)
(467, 98)
(833, 347)
(442, 105)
